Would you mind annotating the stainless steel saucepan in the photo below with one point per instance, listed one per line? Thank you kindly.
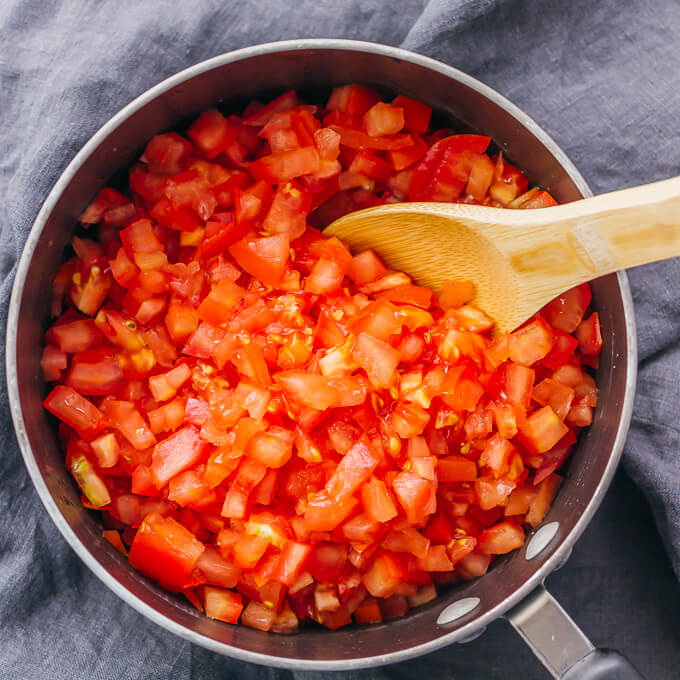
(513, 587)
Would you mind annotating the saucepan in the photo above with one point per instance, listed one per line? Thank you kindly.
(513, 586)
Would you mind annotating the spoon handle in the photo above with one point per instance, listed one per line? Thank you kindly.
(624, 228)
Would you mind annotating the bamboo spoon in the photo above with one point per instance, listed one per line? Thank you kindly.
(519, 260)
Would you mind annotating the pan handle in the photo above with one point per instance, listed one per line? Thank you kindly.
(561, 645)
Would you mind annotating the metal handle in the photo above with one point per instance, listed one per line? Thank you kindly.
(561, 645)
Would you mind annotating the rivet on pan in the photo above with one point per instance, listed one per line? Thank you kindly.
(541, 539)
(458, 609)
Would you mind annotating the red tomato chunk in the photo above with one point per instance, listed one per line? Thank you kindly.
(285, 431)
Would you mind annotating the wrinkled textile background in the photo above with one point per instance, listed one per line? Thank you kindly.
(601, 76)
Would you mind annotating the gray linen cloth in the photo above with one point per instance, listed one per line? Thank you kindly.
(602, 77)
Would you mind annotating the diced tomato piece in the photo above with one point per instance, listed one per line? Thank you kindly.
(167, 154)
(323, 513)
(76, 336)
(211, 133)
(264, 258)
(93, 373)
(543, 429)
(223, 605)
(308, 389)
(492, 491)
(408, 294)
(53, 362)
(176, 453)
(551, 393)
(219, 305)
(125, 416)
(566, 311)
(352, 99)
(444, 172)
(284, 166)
(386, 574)
(90, 483)
(589, 335)
(413, 493)
(541, 502)
(562, 350)
(165, 551)
(288, 211)
(456, 294)
(501, 538)
(76, 411)
(416, 114)
(284, 102)
(456, 469)
(531, 342)
(377, 502)
(480, 178)
(408, 155)
(366, 267)
(383, 119)
(273, 448)
(353, 470)
(519, 382)
(376, 357)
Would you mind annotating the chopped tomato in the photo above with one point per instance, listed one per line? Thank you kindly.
(444, 172)
(264, 258)
(176, 453)
(281, 429)
(165, 551)
(543, 429)
(76, 411)
(530, 343)
(589, 335)
(352, 99)
(383, 119)
(223, 605)
(501, 538)
(566, 311)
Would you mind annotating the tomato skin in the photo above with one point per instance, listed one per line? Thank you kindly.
(165, 551)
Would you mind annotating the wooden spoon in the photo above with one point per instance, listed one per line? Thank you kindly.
(519, 260)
